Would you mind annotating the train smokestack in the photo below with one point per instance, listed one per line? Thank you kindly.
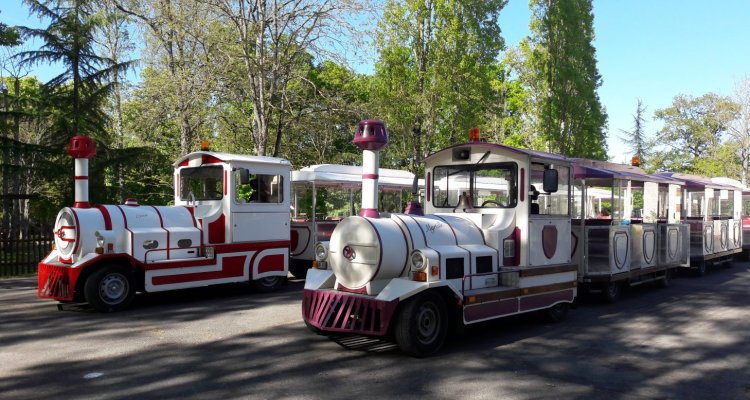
(371, 136)
(81, 148)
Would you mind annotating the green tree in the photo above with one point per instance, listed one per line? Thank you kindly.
(693, 133)
(570, 115)
(636, 139)
(9, 36)
(81, 90)
(432, 76)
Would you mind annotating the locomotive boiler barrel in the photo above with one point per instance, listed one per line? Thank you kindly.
(366, 249)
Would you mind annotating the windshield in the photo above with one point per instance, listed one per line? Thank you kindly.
(203, 183)
(489, 185)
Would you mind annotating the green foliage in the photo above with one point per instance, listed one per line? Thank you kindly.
(9, 36)
(563, 62)
(692, 134)
(431, 80)
(637, 137)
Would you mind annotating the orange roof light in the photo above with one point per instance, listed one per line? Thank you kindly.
(635, 161)
(204, 145)
(474, 135)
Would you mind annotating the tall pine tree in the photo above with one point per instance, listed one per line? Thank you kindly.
(571, 117)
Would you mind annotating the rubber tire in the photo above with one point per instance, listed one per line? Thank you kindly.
(701, 269)
(115, 274)
(426, 308)
(268, 284)
(558, 312)
(611, 292)
(299, 268)
(666, 281)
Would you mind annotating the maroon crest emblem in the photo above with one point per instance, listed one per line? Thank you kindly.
(549, 241)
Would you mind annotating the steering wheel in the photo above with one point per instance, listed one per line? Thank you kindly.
(491, 202)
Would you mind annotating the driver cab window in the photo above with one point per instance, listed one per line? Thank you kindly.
(202, 183)
(490, 185)
(258, 188)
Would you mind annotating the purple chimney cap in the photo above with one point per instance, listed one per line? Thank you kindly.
(371, 135)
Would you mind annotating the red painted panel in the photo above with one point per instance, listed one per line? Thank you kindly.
(476, 312)
(231, 267)
(217, 230)
(545, 299)
(549, 241)
(294, 233)
(273, 262)
(206, 159)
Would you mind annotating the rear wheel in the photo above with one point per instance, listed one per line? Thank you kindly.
(612, 291)
(558, 312)
(109, 289)
(268, 284)
(665, 281)
(421, 324)
(701, 269)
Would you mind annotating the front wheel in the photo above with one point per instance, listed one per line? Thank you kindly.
(109, 289)
(268, 284)
(421, 324)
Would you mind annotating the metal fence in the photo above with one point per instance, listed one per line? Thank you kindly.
(20, 257)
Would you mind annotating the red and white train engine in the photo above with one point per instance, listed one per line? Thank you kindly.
(486, 249)
(230, 223)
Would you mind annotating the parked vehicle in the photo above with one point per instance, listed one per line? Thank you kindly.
(230, 223)
(322, 195)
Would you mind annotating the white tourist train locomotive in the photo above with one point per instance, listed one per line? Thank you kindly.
(484, 250)
(230, 223)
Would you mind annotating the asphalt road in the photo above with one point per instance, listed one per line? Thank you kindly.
(689, 341)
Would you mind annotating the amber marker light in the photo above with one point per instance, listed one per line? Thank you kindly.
(435, 270)
(474, 134)
(315, 264)
(420, 276)
(204, 145)
(635, 161)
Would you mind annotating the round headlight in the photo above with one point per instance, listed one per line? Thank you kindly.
(417, 261)
(321, 253)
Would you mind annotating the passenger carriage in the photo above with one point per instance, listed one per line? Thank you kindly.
(322, 195)
(638, 238)
(486, 248)
(713, 212)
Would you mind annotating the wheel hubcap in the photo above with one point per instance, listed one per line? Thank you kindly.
(114, 288)
(269, 281)
(428, 323)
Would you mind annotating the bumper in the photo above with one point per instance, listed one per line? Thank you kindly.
(332, 311)
(57, 281)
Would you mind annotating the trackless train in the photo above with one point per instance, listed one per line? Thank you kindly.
(509, 231)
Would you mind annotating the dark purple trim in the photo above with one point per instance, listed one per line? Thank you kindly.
(492, 309)
(370, 176)
(545, 300)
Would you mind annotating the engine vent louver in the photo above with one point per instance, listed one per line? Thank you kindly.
(56, 284)
(454, 268)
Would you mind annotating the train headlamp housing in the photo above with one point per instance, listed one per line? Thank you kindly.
(321, 251)
(99, 239)
(418, 261)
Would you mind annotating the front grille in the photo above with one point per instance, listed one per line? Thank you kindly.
(54, 282)
(333, 311)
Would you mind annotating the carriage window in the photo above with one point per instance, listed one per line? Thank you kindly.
(557, 203)
(488, 185)
(202, 183)
(259, 189)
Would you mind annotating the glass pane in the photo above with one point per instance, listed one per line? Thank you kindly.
(202, 183)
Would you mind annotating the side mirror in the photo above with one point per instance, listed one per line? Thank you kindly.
(244, 176)
(549, 181)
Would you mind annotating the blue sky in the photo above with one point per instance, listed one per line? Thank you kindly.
(647, 49)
